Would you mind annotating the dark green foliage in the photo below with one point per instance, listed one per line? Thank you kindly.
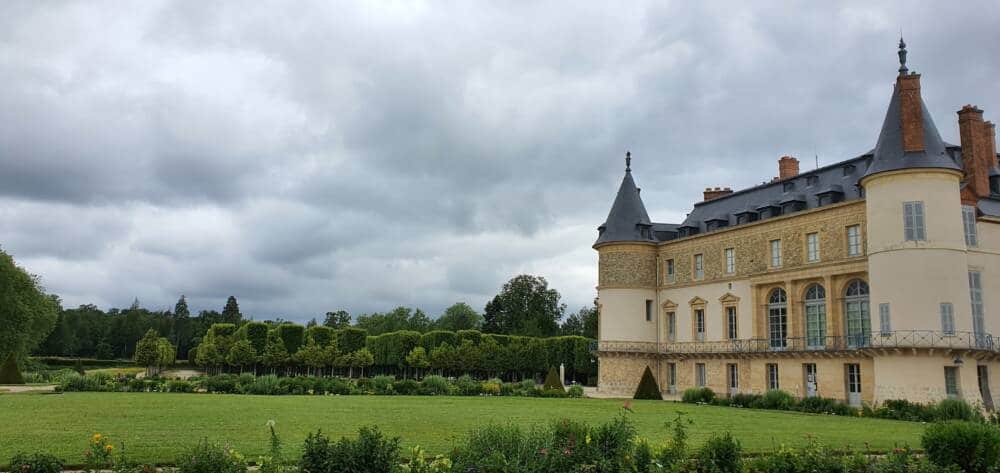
(474, 336)
(36, 463)
(720, 454)
(256, 332)
(9, 372)
(390, 349)
(27, 314)
(321, 334)
(552, 381)
(775, 399)
(351, 339)
(973, 447)
(823, 405)
(955, 409)
(648, 389)
(698, 395)
(400, 318)
(371, 452)
(582, 323)
(292, 335)
(459, 317)
(525, 306)
(231, 313)
(208, 457)
(435, 338)
(337, 319)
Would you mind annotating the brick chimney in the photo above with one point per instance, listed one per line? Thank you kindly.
(910, 111)
(788, 167)
(977, 146)
(715, 193)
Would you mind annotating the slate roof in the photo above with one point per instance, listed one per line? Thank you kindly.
(628, 220)
(889, 154)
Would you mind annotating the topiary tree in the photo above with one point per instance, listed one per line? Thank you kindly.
(648, 389)
(9, 373)
(552, 381)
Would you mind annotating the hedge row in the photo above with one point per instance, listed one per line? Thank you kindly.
(313, 385)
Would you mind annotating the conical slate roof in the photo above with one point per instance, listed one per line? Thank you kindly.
(628, 220)
(889, 152)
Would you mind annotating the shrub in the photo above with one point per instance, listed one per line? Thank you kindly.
(698, 395)
(492, 387)
(527, 384)
(720, 454)
(383, 384)
(775, 399)
(955, 409)
(902, 409)
(339, 386)
(823, 405)
(36, 463)
(467, 386)
(575, 391)
(497, 448)
(559, 393)
(435, 385)
(9, 372)
(207, 457)
(552, 380)
(974, 447)
(418, 463)
(370, 453)
(675, 450)
(136, 385)
(268, 385)
(223, 383)
(178, 386)
(406, 387)
(648, 389)
(744, 400)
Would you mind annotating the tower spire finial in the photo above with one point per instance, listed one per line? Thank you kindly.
(628, 161)
(902, 56)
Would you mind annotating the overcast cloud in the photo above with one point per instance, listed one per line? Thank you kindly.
(306, 157)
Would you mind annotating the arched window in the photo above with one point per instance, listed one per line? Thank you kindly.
(777, 318)
(815, 317)
(858, 317)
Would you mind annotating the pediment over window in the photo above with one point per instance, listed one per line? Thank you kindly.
(669, 305)
(729, 298)
(697, 301)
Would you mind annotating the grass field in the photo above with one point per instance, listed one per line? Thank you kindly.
(156, 427)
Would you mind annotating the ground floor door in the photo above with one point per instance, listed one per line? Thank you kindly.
(853, 378)
(810, 379)
(984, 385)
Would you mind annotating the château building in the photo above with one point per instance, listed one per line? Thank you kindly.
(874, 278)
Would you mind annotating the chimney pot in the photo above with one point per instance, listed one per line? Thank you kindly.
(788, 167)
(712, 193)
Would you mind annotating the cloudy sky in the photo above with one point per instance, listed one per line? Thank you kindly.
(362, 155)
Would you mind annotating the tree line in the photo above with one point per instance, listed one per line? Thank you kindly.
(292, 349)
(525, 307)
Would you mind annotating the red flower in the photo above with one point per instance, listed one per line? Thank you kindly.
(627, 406)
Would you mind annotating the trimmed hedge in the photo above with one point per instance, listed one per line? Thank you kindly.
(648, 389)
(971, 446)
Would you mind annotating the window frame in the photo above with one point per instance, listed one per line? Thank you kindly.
(884, 319)
(671, 326)
(952, 386)
(698, 266)
(776, 259)
(854, 240)
(914, 221)
(729, 255)
(773, 378)
(969, 226)
(700, 375)
(812, 247)
(670, 271)
(649, 310)
(947, 312)
(699, 324)
(732, 322)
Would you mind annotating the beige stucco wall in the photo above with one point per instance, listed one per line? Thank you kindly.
(920, 377)
(715, 318)
(985, 258)
(623, 315)
(915, 277)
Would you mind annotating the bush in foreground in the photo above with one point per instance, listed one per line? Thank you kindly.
(371, 452)
(648, 389)
(698, 395)
(971, 446)
(206, 457)
(36, 463)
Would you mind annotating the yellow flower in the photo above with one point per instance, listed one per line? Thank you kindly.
(587, 439)
(109, 447)
(97, 437)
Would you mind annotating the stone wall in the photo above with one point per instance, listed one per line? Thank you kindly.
(627, 266)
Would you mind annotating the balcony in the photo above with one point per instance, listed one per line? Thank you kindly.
(903, 339)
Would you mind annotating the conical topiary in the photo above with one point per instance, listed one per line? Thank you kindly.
(9, 373)
(552, 381)
(648, 389)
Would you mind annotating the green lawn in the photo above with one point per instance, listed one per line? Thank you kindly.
(157, 426)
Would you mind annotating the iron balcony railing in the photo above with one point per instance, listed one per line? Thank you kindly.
(896, 339)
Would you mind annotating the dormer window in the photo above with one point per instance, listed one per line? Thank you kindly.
(812, 181)
(788, 187)
(848, 169)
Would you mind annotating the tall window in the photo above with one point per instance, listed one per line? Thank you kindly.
(772, 376)
(649, 310)
(815, 317)
(670, 270)
(699, 324)
(812, 247)
(947, 318)
(775, 253)
(853, 378)
(859, 324)
(672, 377)
(730, 260)
(699, 266)
(731, 322)
(699, 375)
(883, 318)
(671, 326)
(913, 221)
(976, 295)
(951, 381)
(969, 222)
(777, 319)
(734, 377)
(854, 240)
